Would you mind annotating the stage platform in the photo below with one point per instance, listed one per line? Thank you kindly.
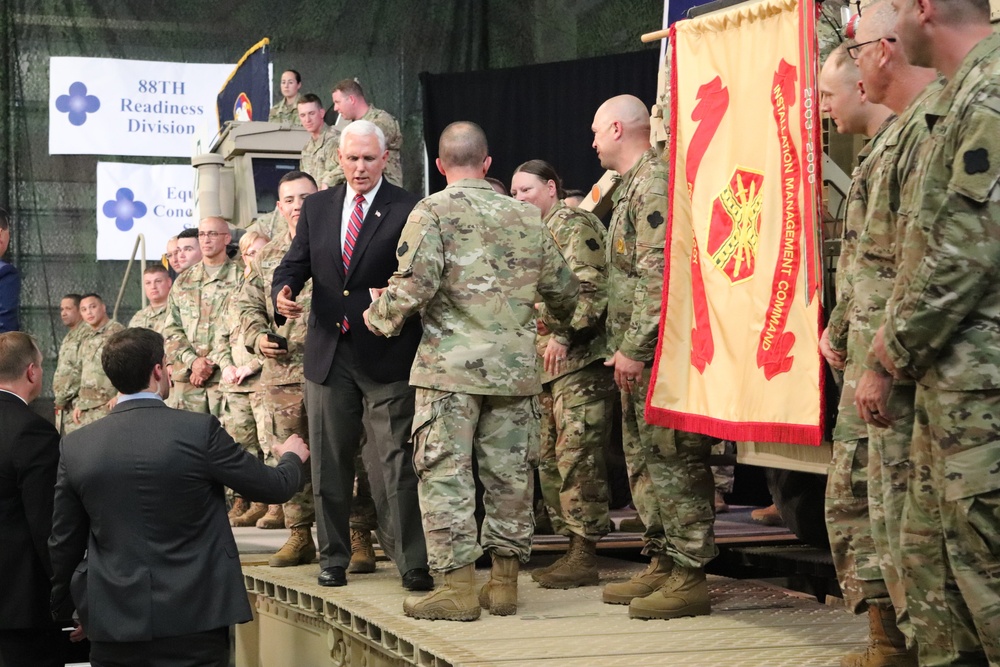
(299, 623)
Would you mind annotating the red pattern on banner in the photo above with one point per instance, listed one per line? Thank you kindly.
(776, 343)
(713, 104)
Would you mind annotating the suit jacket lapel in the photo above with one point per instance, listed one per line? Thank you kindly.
(376, 212)
(337, 206)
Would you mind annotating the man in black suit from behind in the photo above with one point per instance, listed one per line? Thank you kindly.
(346, 242)
(29, 455)
(141, 492)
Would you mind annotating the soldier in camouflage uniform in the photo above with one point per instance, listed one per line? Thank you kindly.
(476, 370)
(66, 380)
(887, 77)
(577, 389)
(287, 110)
(193, 313)
(349, 101)
(240, 383)
(97, 394)
(319, 155)
(668, 472)
(846, 508)
(156, 284)
(942, 329)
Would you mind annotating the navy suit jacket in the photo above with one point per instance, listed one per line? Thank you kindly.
(142, 492)
(10, 297)
(316, 253)
(29, 455)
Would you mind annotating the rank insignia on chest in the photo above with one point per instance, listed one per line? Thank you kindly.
(620, 247)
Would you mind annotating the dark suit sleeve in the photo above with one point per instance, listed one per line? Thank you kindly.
(38, 455)
(68, 543)
(236, 468)
(10, 297)
(296, 268)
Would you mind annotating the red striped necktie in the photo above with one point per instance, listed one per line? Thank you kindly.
(353, 229)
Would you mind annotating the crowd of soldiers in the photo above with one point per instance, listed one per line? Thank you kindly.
(912, 495)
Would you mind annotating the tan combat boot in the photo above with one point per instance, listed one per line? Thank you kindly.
(298, 550)
(684, 593)
(578, 568)
(455, 601)
(275, 518)
(240, 505)
(633, 524)
(249, 518)
(362, 552)
(886, 644)
(641, 584)
(499, 594)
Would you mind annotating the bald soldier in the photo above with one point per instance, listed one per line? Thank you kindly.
(476, 370)
(194, 310)
(942, 329)
(668, 473)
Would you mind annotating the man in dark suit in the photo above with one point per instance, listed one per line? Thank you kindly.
(346, 242)
(29, 454)
(10, 281)
(141, 491)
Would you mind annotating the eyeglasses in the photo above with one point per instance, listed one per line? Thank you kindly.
(210, 235)
(854, 50)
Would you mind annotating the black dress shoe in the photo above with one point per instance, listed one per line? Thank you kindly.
(418, 579)
(332, 576)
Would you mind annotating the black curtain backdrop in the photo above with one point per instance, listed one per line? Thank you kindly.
(536, 112)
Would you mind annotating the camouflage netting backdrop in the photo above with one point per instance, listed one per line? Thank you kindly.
(386, 44)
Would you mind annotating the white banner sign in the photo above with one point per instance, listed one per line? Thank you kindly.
(154, 200)
(103, 106)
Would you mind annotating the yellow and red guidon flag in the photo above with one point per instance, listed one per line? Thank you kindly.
(738, 355)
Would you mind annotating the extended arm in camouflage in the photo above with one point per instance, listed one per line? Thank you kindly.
(179, 350)
(251, 305)
(416, 280)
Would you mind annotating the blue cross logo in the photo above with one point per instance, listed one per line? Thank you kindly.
(124, 209)
(78, 103)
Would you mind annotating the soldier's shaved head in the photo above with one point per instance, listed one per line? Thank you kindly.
(463, 144)
(878, 21)
(621, 132)
(629, 110)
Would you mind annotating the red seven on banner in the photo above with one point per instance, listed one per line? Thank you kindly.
(775, 343)
(712, 107)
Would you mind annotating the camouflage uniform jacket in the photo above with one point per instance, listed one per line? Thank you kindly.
(319, 157)
(230, 350)
(471, 262)
(849, 425)
(256, 312)
(95, 387)
(150, 318)
(854, 220)
(393, 143)
(635, 258)
(194, 310)
(66, 381)
(580, 237)
(283, 112)
(879, 251)
(944, 329)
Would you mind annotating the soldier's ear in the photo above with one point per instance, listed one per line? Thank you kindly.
(486, 164)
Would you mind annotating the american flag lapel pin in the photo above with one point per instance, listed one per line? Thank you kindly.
(378, 214)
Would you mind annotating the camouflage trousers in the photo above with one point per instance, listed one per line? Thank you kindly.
(850, 527)
(204, 399)
(503, 433)
(576, 424)
(723, 475)
(888, 479)
(950, 539)
(238, 419)
(671, 484)
(280, 412)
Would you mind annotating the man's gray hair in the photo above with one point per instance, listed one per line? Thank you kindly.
(364, 128)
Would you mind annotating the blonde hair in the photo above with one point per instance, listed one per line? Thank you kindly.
(248, 239)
